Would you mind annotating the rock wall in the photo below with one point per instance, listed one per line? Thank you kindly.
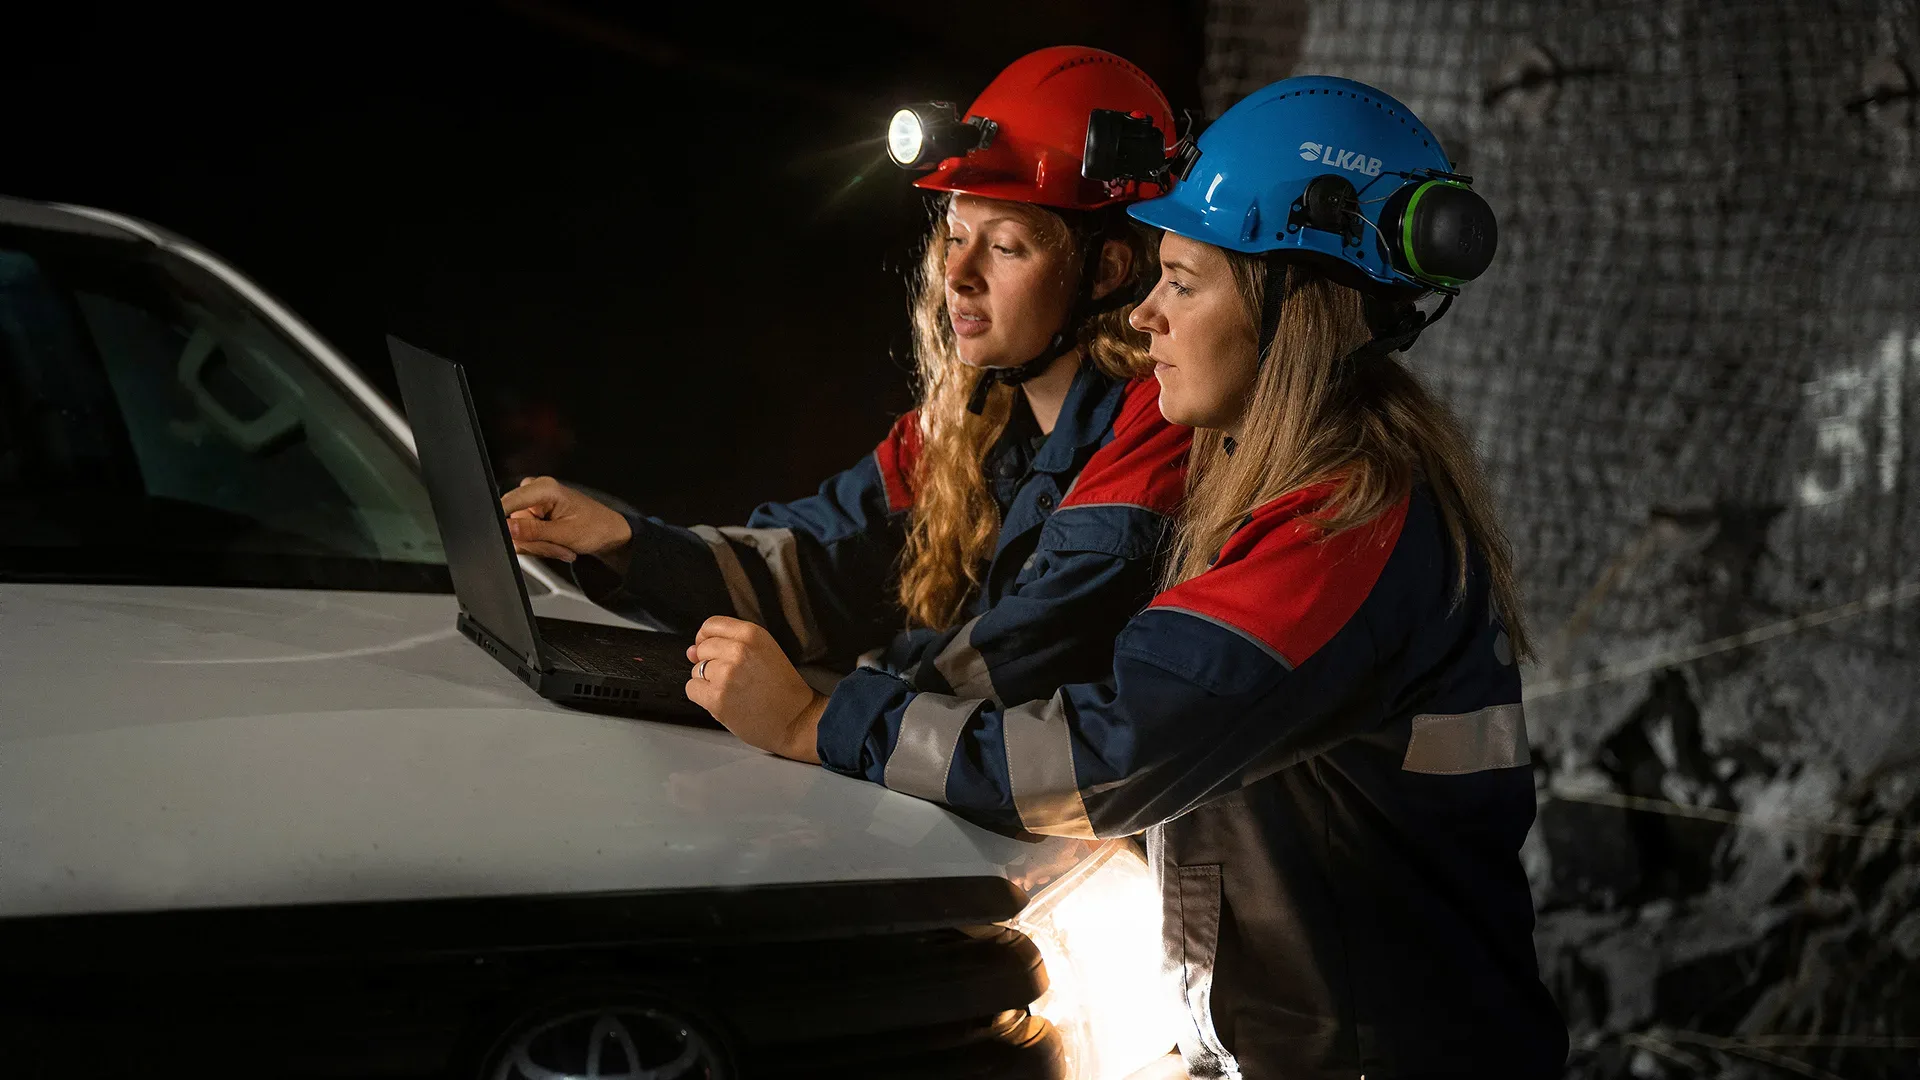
(1692, 374)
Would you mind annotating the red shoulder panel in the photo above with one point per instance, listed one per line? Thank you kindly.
(1145, 464)
(1280, 580)
(898, 457)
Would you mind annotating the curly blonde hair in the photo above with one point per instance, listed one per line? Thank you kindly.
(954, 521)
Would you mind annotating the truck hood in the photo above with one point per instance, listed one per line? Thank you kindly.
(188, 747)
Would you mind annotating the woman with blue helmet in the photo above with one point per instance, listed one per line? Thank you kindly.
(1317, 722)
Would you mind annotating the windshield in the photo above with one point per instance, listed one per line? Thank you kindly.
(154, 430)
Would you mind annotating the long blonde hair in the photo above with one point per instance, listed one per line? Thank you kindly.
(1368, 426)
(955, 522)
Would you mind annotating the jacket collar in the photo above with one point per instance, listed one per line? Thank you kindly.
(1092, 401)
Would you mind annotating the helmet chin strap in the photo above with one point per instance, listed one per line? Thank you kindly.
(1067, 338)
(1062, 342)
(1273, 298)
(1396, 326)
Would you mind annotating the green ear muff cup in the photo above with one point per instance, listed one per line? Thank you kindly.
(1448, 233)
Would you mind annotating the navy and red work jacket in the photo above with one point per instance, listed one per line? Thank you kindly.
(1323, 740)
(1083, 511)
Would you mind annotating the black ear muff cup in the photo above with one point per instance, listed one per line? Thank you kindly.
(1331, 204)
(1446, 232)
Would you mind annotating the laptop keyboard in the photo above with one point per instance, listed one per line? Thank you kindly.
(618, 653)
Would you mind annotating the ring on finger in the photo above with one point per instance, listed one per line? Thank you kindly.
(701, 671)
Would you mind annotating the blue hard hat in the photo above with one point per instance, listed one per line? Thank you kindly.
(1338, 173)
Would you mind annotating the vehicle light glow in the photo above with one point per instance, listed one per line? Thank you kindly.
(1098, 929)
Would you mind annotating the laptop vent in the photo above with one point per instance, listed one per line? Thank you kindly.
(615, 693)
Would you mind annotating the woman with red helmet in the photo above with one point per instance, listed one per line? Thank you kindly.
(1006, 528)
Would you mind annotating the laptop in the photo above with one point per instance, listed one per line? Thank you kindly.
(610, 669)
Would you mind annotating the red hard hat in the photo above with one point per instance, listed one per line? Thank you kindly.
(1041, 103)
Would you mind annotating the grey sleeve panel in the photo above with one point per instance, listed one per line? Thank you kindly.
(746, 604)
(779, 549)
(1454, 745)
(923, 752)
(672, 578)
(1040, 772)
(964, 668)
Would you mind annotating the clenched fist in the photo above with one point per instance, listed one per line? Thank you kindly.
(553, 521)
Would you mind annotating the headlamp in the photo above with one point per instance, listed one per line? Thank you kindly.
(1126, 146)
(922, 136)
(1098, 931)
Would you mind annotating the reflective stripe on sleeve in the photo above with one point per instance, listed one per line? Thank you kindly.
(782, 556)
(1039, 745)
(746, 605)
(1453, 745)
(923, 752)
(964, 668)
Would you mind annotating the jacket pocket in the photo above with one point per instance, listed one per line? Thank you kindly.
(1192, 647)
(1193, 941)
(1123, 532)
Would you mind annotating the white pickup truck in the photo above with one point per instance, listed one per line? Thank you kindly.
(263, 812)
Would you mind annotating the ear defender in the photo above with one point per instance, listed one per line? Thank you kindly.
(1439, 231)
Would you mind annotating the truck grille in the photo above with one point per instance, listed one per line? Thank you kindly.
(418, 990)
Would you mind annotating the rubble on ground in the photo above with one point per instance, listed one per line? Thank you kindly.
(1727, 857)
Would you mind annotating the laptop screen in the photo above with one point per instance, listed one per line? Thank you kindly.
(466, 504)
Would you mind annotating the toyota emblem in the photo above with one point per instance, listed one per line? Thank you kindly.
(626, 1042)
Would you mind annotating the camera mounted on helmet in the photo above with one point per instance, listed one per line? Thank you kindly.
(922, 135)
(1128, 147)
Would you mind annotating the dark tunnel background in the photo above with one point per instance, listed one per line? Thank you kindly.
(665, 240)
